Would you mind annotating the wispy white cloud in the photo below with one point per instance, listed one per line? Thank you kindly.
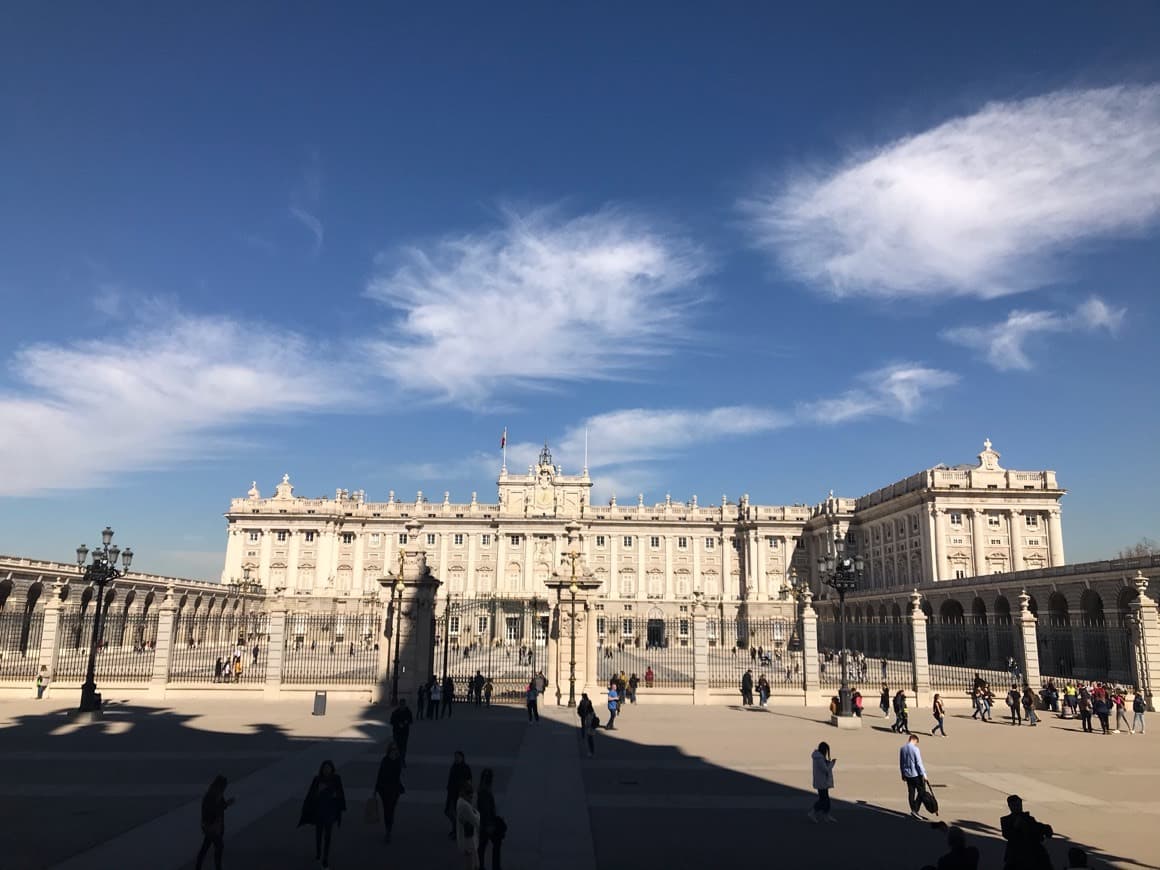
(306, 198)
(312, 224)
(540, 300)
(173, 389)
(983, 205)
(1004, 344)
(628, 445)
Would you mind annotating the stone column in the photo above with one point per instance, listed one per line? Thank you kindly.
(700, 650)
(416, 628)
(1055, 537)
(1145, 641)
(811, 678)
(1015, 519)
(50, 629)
(275, 648)
(1029, 641)
(166, 616)
(920, 663)
(978, 536)
(291, 561)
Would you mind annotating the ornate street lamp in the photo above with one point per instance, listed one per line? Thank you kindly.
(575, 585)
(99, 571)
(243, 589)
(841, 573)
(397, 595)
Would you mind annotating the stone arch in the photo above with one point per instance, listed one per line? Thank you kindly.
(926, 609)
(6, 587)
(1091, 604)
(979, 610)
(950, 611)
(896, 612)
(1002, 609)
(1124, 601)
(1033, 605)
(1058, 611)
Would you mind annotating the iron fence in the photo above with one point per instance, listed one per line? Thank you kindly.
(20, 643)
(878, 651)
(127, 647)
(1091, 651)
(220, 648)
(332, 648)
(768, 647)
(638, 645)
(960, 651)
(502, 640)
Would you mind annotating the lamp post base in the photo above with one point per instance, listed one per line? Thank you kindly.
(846, 723)
(90, 699)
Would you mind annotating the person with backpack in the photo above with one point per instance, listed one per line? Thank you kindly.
(939, 712)
(1014, 699)
(1138, 708)
(213, 822)
(583, 710)
(1103, 709)
(1029, 707)
(612, 704)
(823, 779)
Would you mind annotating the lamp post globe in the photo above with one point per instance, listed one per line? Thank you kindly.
(99, 572)
(842, 573)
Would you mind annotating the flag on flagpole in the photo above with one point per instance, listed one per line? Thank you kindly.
(503, 439)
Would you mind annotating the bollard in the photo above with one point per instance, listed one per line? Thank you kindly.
(319, 704)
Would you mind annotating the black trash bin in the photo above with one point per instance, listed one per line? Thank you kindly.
(320, 703)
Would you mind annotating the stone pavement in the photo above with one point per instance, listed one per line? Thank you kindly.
(673, 786)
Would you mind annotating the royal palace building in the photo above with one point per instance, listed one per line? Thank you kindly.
(939, 524)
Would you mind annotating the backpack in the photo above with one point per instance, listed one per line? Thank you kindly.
(1137, 704)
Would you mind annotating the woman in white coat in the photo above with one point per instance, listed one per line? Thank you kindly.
(823, 767)
(467, 827)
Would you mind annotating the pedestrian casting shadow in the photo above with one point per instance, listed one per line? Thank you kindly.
(646, 805)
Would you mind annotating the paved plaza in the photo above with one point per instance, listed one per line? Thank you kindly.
(673, 786)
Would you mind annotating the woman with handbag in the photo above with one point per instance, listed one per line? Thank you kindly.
(389, 785)
(323, 808)
(467, 827)
(213, 822)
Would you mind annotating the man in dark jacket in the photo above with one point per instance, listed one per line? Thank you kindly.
(1024, 836)
(747, 689)
(456, 777)
(401, 720)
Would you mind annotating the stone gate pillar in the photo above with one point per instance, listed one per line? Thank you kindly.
(50, 629)
(1029, 638)
(700, 650)
(412, 629)
(275, 648)
(1145, 641)
(166, 617)
(811, 679)
(919, 659)
(573, 595)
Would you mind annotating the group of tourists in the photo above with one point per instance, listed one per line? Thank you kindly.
(1084, 700)
(748, 685)
(435, 697)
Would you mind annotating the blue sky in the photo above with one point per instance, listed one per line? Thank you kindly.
(764, 250)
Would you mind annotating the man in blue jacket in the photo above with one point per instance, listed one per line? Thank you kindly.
(913, 774)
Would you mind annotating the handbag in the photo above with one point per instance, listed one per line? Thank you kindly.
(371, 811)
(929, 801)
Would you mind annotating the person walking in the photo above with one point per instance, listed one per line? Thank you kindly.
(884, 701)
(541, 683)
(465, 817)
(902, 723)
(421, 701)
(401, 720)
(613, 705)
(42, 682)
(1029, 707)
(649, 677)
(491, 825)
(1014, 699)
(488, 688)
(747, 689)
(435, 702)
(477, 688)
(633, 682)
(531, 696)
(939, 712)
(213, 822)
(1103, 709)
(323, 808)
(762, 690)
(1120, 704)
(913, 774)
(823, 769)
(584, 710)
(1085, 712)
(389, 785)
(457, 775)
(448, 696)
(1138, 708)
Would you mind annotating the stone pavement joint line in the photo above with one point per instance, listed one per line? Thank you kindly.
(1032, 790)
(166, 839)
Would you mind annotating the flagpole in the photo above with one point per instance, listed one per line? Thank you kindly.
(504, 446)
(585, 449)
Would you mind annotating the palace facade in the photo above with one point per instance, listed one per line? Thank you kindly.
(939, 524)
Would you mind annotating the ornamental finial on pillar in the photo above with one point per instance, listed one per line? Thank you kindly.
(1141, 583)
(915, 600)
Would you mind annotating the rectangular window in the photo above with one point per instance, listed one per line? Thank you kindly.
(956, 539)
(515, 540)
(600, 540)
(309, 537)
(600, 625)
(956, 518)
(682, 543)
(992, 486)
(485, 540)
(376, 539)
(996, 542)
(683, 628)
(458, 540)
(347, 538)
(710, 543)
(481, 626)
(654, 542)
(402, 537)
(626, 627)
(628, 542)
(281, 536)
(1033, 542)
(1032, 521)
(453, 623)
(960, 573)
(254, 536)
(772, 542)
(993, 521)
